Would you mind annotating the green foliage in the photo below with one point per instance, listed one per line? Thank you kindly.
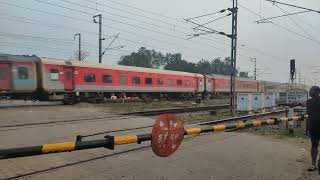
(153, 59)
(143, 58)
(244, 74)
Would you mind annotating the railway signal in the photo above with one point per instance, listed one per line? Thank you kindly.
(292, 69)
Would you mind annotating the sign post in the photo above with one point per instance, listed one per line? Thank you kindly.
(167, 135)
(295, 96)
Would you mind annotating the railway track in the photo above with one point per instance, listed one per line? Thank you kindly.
(48, 170)
(107, 118)
(115, 117)
(211, 122)
(176, 110)
(55, 168)
(5, 106)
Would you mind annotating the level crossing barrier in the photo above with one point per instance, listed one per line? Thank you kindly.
(169, 130)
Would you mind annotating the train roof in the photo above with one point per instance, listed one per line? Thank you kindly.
(228, 77)
(18, 58)
(115, 67)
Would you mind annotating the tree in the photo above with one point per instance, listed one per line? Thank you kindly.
(143, 58)
(153, 59)
(244, 74)
(204, 67)
(176, 63)
(84, 55)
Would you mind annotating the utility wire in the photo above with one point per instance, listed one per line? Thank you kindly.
(275, 24)
(135, 14)
(125, 23)
(79, 19)
(111, 27)
(213, 20)
(161, 15)
(294, 22)
(291, 5)
(117, 21)
(217, 12)
(19, 36)
(118, 29)
(108, 12)
(285, 15)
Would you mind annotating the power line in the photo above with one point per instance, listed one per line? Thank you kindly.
(291, 5)
(139, 27)
(161, 15)
(147, 11)
(209, 14)
(63, 41)
(108, 12)
(275, 24)
(285, 12)
(83, 20)
(127, 40)
(213, 20)
(79, 19)
(266, 20)
(146, 17)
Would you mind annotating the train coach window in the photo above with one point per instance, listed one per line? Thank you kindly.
(123, 80)
(187, 82)
(160, 81)
(90, 78)
(107, 78)
(170, 82)
(148, 80)
(179, 82)
(2, 75)
(136, 80)
(23, 73)
(54, 74)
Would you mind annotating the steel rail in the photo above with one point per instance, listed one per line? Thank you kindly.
(111, 141)
(176, 110)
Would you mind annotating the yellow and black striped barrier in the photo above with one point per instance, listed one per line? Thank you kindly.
(111, 141)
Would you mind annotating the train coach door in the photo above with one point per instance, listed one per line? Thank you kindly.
(5, 77)
(68, 78)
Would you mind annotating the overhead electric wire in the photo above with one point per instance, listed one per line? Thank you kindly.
(146, 11)
(294, 22)
(74, 18)
(167, 17)
(285, 15)
(291, 5)
(275, 24)
(79, 19)
(209, 14)
(214, 20)
(108, 12)
(19, 36)
(135, 14)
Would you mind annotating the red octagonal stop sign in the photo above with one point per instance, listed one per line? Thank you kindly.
(167, 135)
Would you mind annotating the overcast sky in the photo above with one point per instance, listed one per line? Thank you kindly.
(48, 27)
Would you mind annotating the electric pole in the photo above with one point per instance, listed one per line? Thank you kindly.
(234, 12)
(79, 56)
(255, 67)
(100, 35)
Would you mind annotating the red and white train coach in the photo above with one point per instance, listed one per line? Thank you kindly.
(221, 84)
(46, 78)
(92, 79)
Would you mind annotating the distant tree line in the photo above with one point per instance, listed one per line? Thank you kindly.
(154, 59)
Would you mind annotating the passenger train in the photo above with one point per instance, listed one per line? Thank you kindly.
(38, 78)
